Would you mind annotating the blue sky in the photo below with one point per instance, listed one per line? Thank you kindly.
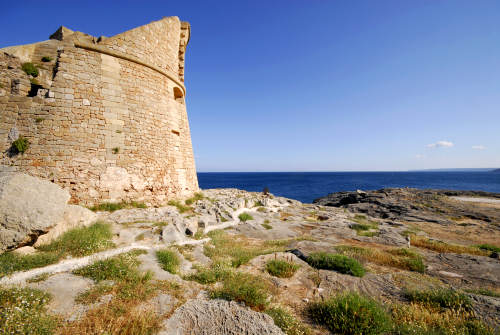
(318, 85)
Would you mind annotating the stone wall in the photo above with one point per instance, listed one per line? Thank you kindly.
(105, 118)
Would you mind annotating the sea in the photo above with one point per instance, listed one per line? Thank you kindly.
(307, 186)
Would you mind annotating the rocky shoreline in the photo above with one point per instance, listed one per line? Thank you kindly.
(403, 240)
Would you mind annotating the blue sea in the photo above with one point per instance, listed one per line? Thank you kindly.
(307, 186)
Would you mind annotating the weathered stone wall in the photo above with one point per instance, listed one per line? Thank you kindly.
(109, 120)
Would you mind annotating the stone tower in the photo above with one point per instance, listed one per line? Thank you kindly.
(105, 117)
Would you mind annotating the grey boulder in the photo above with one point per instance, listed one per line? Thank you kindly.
(29, 207)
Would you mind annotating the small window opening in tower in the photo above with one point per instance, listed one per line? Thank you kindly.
(178, 96)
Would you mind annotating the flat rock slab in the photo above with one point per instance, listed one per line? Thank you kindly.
(208, 317)
(464, 269)
(64, 288)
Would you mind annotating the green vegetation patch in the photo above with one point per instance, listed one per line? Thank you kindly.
(489, 247)
(336, 262)
(83, 241)
(216, 272)
(23, 311)
(114, 206)
(75, 242)
(245, 217)
(30, 69)
(266, 226)
(288, 323)
(364, 226)
(11, 262)
(197, 196)
(119, 268)
(443, 297)
(351, 314)
(168, 260)
(402, 258)
(180, 207)
(243, 287)
(21, 145)
(281, 268)
(46, 59)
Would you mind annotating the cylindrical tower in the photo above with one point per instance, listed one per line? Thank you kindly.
(105, 117)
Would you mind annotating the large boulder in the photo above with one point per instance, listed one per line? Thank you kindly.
(29, 207)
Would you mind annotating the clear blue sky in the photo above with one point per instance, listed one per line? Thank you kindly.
(318, 85)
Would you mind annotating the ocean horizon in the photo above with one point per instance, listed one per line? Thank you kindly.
(307, 186)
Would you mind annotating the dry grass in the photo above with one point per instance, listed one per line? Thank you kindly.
(237, 250)
(405, 259)
(439, 246)
(468, 235)
(419, 319)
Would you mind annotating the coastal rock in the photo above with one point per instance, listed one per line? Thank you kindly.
(413, 205)
(206, 317)
(29, 207)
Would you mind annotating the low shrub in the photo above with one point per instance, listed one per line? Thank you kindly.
(46, 59)
(493, 292)
(30, 69)
(243, 287)
(443, 297)
(336, 262)
(21, 145)
(286, 321)
(281, 268)
(350, 314)
(23, 311)
(245, 217)
(168, 260)
(266, 226)
(83, 241)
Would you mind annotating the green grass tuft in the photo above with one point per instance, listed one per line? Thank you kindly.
(281, 268)
(169, 260)
(266, 226)
(351, 314)
(339, 263)
(245, 217)
(46, 59)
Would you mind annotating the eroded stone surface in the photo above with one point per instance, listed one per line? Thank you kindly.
(207, 317)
